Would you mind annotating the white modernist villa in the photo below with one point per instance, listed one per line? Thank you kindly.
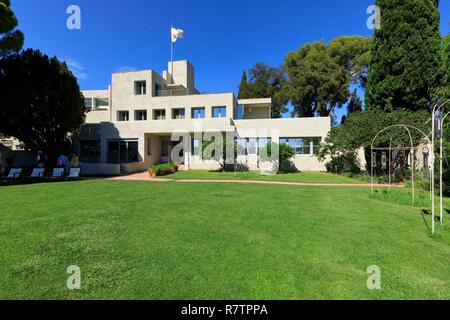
(130, 126)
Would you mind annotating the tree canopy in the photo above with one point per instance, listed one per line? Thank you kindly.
(320, 75)
(405, 63)
(41, 102)
(11, 40)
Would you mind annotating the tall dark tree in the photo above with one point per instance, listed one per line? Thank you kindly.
(445, 55)
(41, 102)
(405, 64)
(244, 89)
(11, 40)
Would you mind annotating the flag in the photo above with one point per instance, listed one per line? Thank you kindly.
(176, 34)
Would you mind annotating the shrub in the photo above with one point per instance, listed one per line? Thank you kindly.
(163, 169)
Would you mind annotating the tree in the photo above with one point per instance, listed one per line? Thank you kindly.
(244, 89)
(266, 82)
(405, 65)
(319, 75)
(445, 56)
(355, 103)
(11, 40)
(41, 102)
(340, 158)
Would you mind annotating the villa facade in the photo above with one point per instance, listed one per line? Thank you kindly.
(142, 116)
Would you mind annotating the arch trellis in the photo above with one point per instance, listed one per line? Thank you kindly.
(412, 149)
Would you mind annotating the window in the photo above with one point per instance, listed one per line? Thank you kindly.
(88, 103)
(123, 151)
(140, 88)
(252, 145)
(140, 115)
(123, 116)
(178, 113)
(219, 112)
(198, 113)
(239, 112)
(158, 90)
(196, 145)
(101, 103)
(90, 151)
(149, 146)
(307, 146)
(159, 114)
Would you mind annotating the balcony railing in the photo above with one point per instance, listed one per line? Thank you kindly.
(172, 93)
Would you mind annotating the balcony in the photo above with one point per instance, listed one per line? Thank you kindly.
(172, 93)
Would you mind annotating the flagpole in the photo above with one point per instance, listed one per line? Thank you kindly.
(171, 55)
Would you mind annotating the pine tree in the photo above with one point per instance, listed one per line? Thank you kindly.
(10, 40)
(355, 103)
(405, 65)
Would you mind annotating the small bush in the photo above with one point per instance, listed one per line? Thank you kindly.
(163, 169)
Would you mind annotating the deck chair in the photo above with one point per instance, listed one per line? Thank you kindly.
(38, 173)
(58, 173)
(14, 174)
(74, 173)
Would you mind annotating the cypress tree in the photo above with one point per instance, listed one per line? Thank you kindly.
(405, 65)
(244, 88)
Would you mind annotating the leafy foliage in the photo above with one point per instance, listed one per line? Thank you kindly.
(405, 65)
(285, 154)
(41, 101)
(11, 40)
(320, 75)
(445, 56)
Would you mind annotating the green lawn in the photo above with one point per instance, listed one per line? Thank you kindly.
(312, 177)
(142, 240)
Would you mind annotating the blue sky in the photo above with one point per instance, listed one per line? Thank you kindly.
(222, 37)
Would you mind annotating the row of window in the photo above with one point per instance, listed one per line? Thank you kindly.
(99, 103)
(248, 146)
(125, 151)
(303, 145)
(177, 113)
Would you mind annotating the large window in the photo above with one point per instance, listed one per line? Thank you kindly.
(248, 146)
(306, 146)
(178, 113)
(140, 115)
(123, 116)
(196, 147)
(123, 151)
(88, 103)
(198, 113)
(219, 112)
(159, 114)
(239, 112)
(101, 103)
(90, 151)
(140, 88)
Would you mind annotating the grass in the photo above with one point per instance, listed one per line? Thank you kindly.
(140, 240)
(310, 177)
